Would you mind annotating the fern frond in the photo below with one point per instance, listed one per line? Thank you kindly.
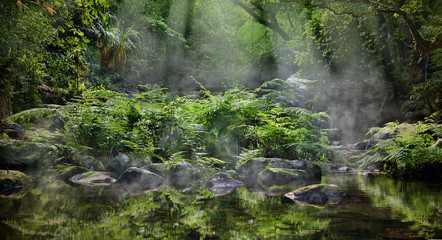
(34, 113)
(373, 130)
(370, 159)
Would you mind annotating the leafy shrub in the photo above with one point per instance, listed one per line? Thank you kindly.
(210, 130)
(410, 152)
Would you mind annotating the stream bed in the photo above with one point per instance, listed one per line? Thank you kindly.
(373, 208)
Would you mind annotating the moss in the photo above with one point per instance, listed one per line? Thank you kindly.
(14, 183)
(281, 176)
(64, 172)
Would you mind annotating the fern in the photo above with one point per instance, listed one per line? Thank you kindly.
(34, 113)
(368, 160)
(409, 152)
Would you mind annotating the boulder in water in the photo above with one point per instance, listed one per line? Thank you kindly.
(317, 194)
(181, 174)
(17, 153)
(281, 176)
(256, 170)
(66, 172)
(14, 183)
(138, 178)
(93, 178)
(221, 184)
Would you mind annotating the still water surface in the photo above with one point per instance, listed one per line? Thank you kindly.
(373, 208)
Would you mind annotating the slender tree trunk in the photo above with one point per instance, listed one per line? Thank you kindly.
(5, 105)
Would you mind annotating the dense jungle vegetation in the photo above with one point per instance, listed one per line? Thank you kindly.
(203, 82)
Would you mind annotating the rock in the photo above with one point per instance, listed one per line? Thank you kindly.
(318, 194)
(93, 178)
(138, 178)
(252, 168)
(334, 135)
(14, 183)
(277, 171)
(13, 130)
(383, 135)
(158, 168)
(364, 145)
(221, 180)
(282, 176)
(370, 173)
(347, 170)
(255, 166)
(17, 153)
(66, 172)
(119, 163)
(181, 174)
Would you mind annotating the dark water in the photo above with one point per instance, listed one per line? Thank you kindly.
(374, 208)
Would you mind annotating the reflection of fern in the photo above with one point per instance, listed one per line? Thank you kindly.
(34, 113)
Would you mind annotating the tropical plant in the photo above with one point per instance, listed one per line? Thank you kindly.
(409, 153)
(113, 42)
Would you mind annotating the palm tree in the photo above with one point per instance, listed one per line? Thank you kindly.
(113, 42)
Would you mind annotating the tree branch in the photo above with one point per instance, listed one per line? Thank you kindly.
(273, 24)
(338, 13)
(422, 45)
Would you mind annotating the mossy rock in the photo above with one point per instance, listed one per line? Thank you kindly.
(138, 178)
(93, 178)
(161, 169)
(223, 180)
(250, 170)
(317, 194)
(16, 153)
(282, 176)
(182, 174)
(65, 172)
(14, 183)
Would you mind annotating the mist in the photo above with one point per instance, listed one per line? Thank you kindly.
(220, 49)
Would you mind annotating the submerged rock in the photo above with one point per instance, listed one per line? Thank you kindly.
(14, 183)
(139, 178)
(16, 153)
(318, 194)
(221, 184)
(94, 178)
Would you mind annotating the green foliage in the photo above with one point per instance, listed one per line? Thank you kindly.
(239, 119)
(409, 153)
(210, 130)
(107, 122)
(33, 114)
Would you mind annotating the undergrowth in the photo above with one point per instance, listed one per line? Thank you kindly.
(410, 152)
(210, 129)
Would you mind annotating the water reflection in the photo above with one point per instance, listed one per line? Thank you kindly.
(374, 208)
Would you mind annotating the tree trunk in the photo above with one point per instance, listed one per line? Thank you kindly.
(5, 105)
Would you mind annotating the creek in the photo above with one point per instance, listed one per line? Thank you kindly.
(374, 207)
